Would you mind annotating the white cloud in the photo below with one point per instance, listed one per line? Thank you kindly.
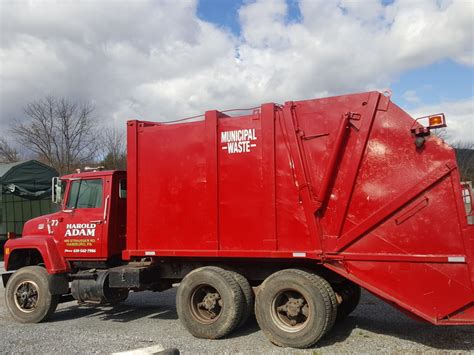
(157, 60)
(459, 118)
(411, 96)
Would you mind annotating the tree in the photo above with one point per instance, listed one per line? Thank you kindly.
(464, 154)
(8, 154)
(114, 147)
(62, 133)
(441, 133)
(465, 158)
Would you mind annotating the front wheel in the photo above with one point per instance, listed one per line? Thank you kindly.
(27, 295)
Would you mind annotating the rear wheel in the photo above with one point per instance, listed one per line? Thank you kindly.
(209, 302)
(295, 308)
(248, 297)
(349, 292)
(27, 295)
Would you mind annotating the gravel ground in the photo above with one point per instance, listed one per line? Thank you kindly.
(148, 319)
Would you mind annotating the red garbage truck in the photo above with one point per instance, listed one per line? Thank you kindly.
(285, 211)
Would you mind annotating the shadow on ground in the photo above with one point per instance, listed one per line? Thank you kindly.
(138, 306)
(372, 317)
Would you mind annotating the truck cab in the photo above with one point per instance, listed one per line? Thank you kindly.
(90, 224)
(92, 220)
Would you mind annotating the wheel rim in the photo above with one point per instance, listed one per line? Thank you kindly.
(206, 304)
(290, 310)
(26, 296)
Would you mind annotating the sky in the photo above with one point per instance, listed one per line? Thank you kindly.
(167, 59)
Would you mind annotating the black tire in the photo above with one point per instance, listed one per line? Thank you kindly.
(27, 295)
(307, 314)
(248, 297)
(334, 306)
(120, 297)
(216, 289)
(332, 296)
(350, 295)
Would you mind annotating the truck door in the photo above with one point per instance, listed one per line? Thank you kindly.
(80, 230)
(117, 216)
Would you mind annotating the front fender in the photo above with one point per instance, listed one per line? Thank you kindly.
(45, 245)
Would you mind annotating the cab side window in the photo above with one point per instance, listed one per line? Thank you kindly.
(85, 194)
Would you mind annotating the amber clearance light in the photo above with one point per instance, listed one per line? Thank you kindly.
(421, 130)
(437, 121)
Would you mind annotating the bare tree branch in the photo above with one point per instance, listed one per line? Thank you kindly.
(114, 147)
(60, 132)
(465, 158)
(8, 154)
(441, 133)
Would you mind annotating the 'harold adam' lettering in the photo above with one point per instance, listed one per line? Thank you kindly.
(239, 141)
(80, 230)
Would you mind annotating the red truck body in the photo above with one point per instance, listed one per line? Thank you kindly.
(336, 181)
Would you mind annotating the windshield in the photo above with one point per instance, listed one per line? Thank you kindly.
(85, 194)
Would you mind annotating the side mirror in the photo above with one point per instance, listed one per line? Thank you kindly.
(56, 190)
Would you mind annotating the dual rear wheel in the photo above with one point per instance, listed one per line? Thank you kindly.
(293, 307)
(212, 302)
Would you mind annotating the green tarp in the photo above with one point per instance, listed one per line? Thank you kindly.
(28, 179)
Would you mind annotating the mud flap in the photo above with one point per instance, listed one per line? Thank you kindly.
(5, 277)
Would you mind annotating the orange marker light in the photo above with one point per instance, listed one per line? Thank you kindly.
(436, 120)
(7, 251)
